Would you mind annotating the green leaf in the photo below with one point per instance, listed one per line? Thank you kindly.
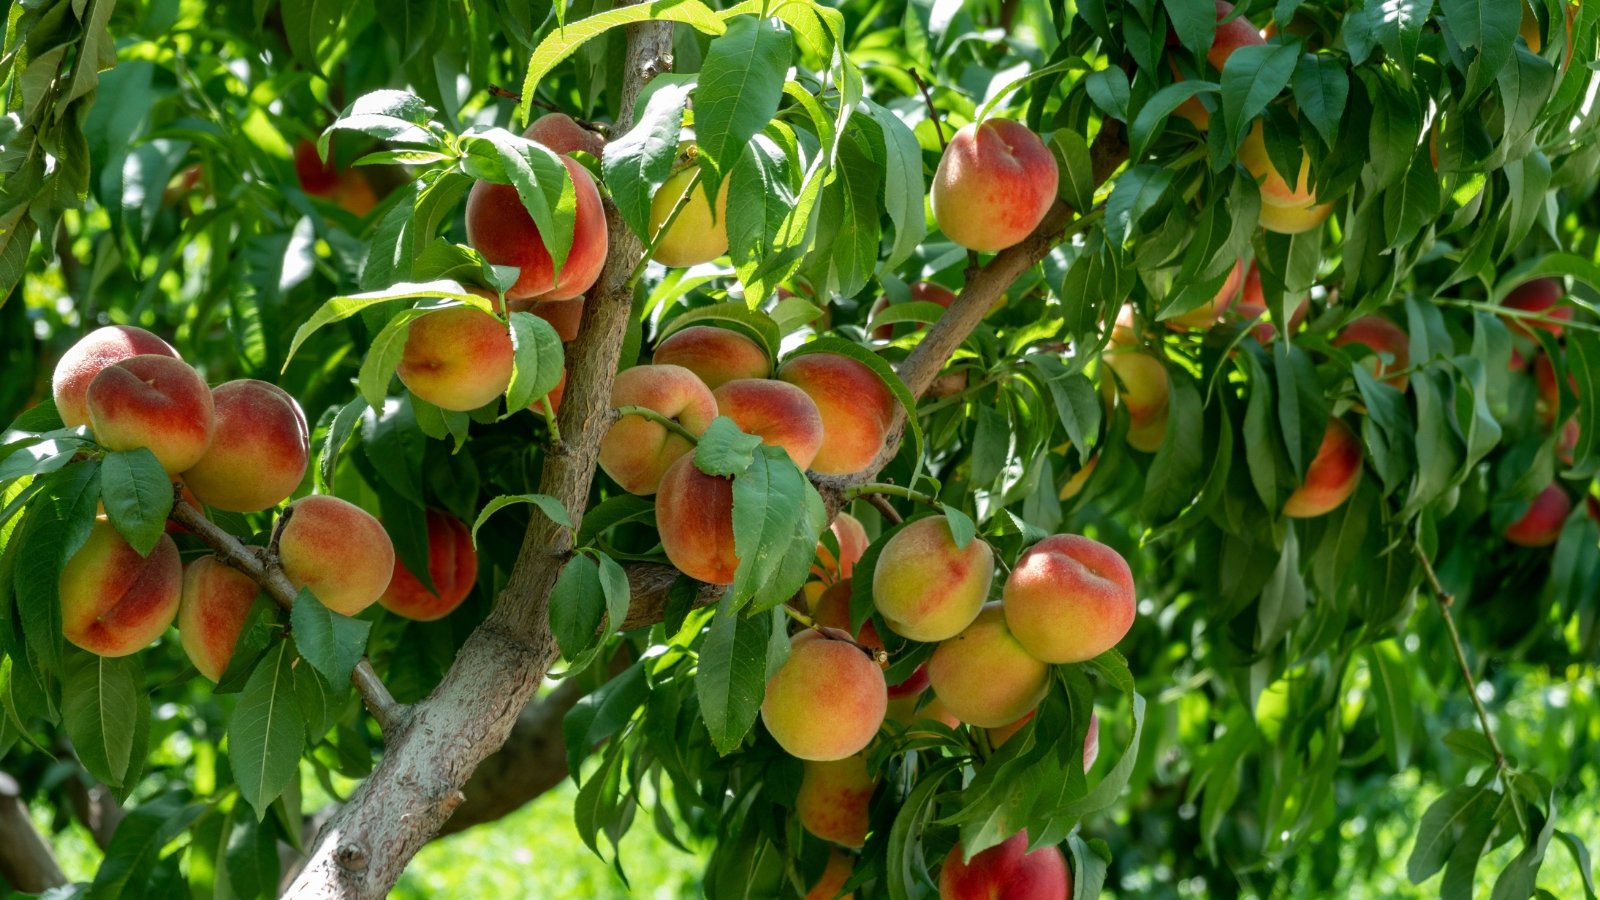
(1489, 28)
(137, 494)
(330, 642)
(962, 531)
(577, 605)
(741, 82)
(638, 163)
(547, 504)
(1196, 25)
(734, 316)
(724, 449)
(777, 518)
(1153, 115)
(1580, 858)
(136, 845)
(1251, 78)
(252, 858)
(543, 183)
(614, 586)
(538, 361)
(395, 116)
(98, 703)
(1137, 191)
(343, 307)
(1077, 168)
(1076, 402)
(1322, 87)
(58, 522)
(1391, 683)
(1176, 473)
(1439, 830)
(731, 679)
(903, 183)
(267, 732)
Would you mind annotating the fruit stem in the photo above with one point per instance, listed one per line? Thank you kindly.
(645, 412)
(550, 421)
(799, 616)
(889, 490)
(927, 97)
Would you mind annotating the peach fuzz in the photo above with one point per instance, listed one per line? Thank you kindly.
(841, 866)
(856, 409)
(1390, 346)
(1006, 870)
(259, 448)
(155, 402)
(457, 358)
(779, 413)
(336, 549)
(995, 182)
(1230, 36)
(826, 701)
(694, 512)
(216, 600)
(1541, 525)
(833, 798)
(984, 676)
(499, 228)
(1542, 296)
(852, 540)
(921, 292)
(1069, 599)
(635, 451)
(1332, 476)
(113, 601)
(561, 133)
(93, 352)
(452, 566)
(924, 587)
(717, 355)
(698, 234)
(1205, 316)
(1143, 386)
(1284, 209)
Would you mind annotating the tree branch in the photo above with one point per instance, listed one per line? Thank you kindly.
(26, 861)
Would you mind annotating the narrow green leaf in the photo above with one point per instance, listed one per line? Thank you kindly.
(98, 703)
(741, 82)
(731, 678)
(330, 642)
(267, 732)
(137, 494)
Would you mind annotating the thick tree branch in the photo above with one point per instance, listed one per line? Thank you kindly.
(26, 861)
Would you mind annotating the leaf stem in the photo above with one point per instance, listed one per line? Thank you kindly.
(550, 420)
(889, 490)
(645, 412)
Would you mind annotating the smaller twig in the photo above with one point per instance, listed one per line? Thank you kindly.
(882, 505)
(888, 490)
(550, 421)
(661, 233)
(600, 128)
(645, 412)
(799, 616)
(927, 97)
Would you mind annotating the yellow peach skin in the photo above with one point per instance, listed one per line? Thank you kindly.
(925, 588)
(827, 701)
(852, 540)
(1143, 386)
(259, 448)
(1284, 209)
(833, 798)
(1202, 317)
(216, 600)
(717, 355)
(1069, 599)
(1332, 476)
(457, 359)
(338, 550)
(698, 235)
(855, 404)
(85, 359)
(984, 676)
(779, 413)
(635, 451)
(115, 602)
(155, 402)
(995, 182)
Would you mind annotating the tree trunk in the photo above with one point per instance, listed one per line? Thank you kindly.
(26, 862)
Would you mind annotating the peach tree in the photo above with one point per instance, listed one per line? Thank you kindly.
(900, 448)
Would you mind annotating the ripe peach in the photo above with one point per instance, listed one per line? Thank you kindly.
(1144, 388)
(779, 413)
(113, 601)
(1332, 476)
(84, 360)
(155, 402)
(1229, 37)
(852, 540)
(1069, 599)
(984, 675)
(452, 566)
(1007, 871)
(826, 701)
(1252, 307)
(1541, 295)
(635, 451)
(457, 358)
(995, 182)
(698, 235)
(841, 866)
(216, 600)
(925, 588)
(338, 550)
(1284, 209)
(833, 799)
(563, 315)
(856, 409)
(349, 188)
(1202, 317)
(499, 228)
(259, 448)
(1390, 346)
(717, 355)
(921, 292)
(832, 610)
(1541, 525)
(560, 133)
(694, 512)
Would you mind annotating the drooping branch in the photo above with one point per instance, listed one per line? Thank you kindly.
(262, 566)
(26, 861)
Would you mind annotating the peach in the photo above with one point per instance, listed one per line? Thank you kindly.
(349, 188)
(832, 610)
(113, 601)
(717, 355)
(841, 866)
(1541, 525)
(1006, 870)
(1202, 317)
(457, 359)
(155, 402)
(1390, 347)
(561, 133)
(984, 676)
(995, 182)
(779, 413)
(1252, 307)
(500, 228)
(452, 566)
(921, 292)
(259, 448)
(698, 234)
(92, 353)
(1567, 446)
(216, 600)
(833, 799)
(826, 701)
(1069, 599)
(1075, 483)
(1332, 476)
(998, 736)
(932, 712)
(1230, 36)
(856, 408)
(1284, 209)
(694, 512)
(1542, 296)
(563, 315)
(635, 451)
(925, 588)
(852, 540)
(1143, 387)
(336, 549)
